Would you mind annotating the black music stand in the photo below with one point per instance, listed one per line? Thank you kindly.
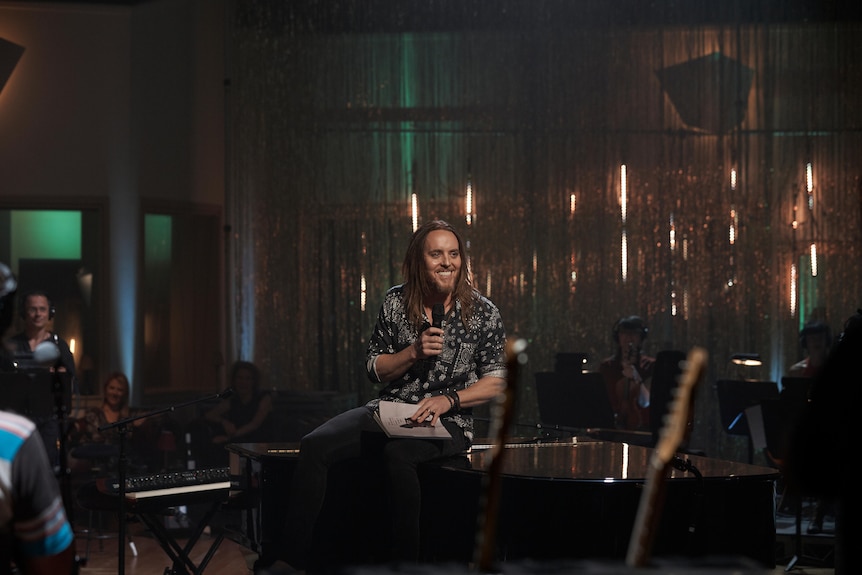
(573, 402)
(737, 395)
(570, 362)
(178, 554)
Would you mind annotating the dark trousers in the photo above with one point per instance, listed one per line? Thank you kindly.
(351, 435)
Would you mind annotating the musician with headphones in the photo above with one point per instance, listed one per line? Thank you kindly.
(628, 375)
(37, 310)
(815, 339)
(37, 349)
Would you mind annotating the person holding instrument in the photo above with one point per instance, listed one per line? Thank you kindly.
(443, 363)
(628, 374)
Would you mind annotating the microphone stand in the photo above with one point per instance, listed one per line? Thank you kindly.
(122, 427)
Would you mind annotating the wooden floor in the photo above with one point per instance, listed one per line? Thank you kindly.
(229, 559)
(232, 559)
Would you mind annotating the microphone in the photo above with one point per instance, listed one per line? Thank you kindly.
(438, 312)
(46, 353)
(226, 393)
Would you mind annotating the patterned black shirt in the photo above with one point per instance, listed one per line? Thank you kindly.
(469, 353)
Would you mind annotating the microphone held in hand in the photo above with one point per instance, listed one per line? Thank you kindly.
(438, 312)
(226, 393)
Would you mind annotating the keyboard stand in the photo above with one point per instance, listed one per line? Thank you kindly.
(180, 555)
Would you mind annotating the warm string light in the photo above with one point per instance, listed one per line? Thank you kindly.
(672, 234)
(809, 184)
(624, 257)
(468, 207)
(685, 302)
(414, 210)
(623, 214)
(363, 292)
(734, 222)
(623, 193)
(733, 178)
(572, 204)
(813, 252)
(793, 294)
(535, 272)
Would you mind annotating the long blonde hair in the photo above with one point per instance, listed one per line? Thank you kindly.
(418, 286)
(124, 381)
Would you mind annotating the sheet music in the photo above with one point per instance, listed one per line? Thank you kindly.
(393, 418)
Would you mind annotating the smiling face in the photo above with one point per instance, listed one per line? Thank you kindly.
(442, 261)
(115, 394)
(36, 311)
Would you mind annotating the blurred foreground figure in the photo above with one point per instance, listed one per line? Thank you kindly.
(35, 535)
(821, 455)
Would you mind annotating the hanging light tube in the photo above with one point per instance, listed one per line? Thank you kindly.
(813, 252)
(468, 208)
(792, 290)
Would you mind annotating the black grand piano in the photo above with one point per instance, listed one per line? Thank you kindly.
(574, 498)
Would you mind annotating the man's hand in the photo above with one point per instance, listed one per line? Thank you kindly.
(429, 343)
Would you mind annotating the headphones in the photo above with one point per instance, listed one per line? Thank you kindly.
(633, 322)
(23, 307)
(814, 328)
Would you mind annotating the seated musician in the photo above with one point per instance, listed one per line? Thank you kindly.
(242, 417)
(438, 344)
(628, 375)
(88, 444)
(815, 339)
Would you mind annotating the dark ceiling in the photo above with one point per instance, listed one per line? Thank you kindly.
(383, 15)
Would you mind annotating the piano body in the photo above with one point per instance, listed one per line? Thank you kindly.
(568, 499)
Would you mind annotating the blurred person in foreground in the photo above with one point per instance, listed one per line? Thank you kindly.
(820, 456)
(35, 535)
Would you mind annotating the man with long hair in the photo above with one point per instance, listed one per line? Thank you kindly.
(439, 345)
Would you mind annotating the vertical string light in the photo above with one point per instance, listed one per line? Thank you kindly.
(734, 222)
(671, 240)
(535, 272)
(732, 227)
(792, 291)
(623, 214)
(468, 203)
(573, 269)
(363, 288)
(414, 210)
(809, 188)
(813, 253)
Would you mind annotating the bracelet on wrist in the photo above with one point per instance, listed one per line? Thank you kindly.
(453, 395)
(451, 401)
